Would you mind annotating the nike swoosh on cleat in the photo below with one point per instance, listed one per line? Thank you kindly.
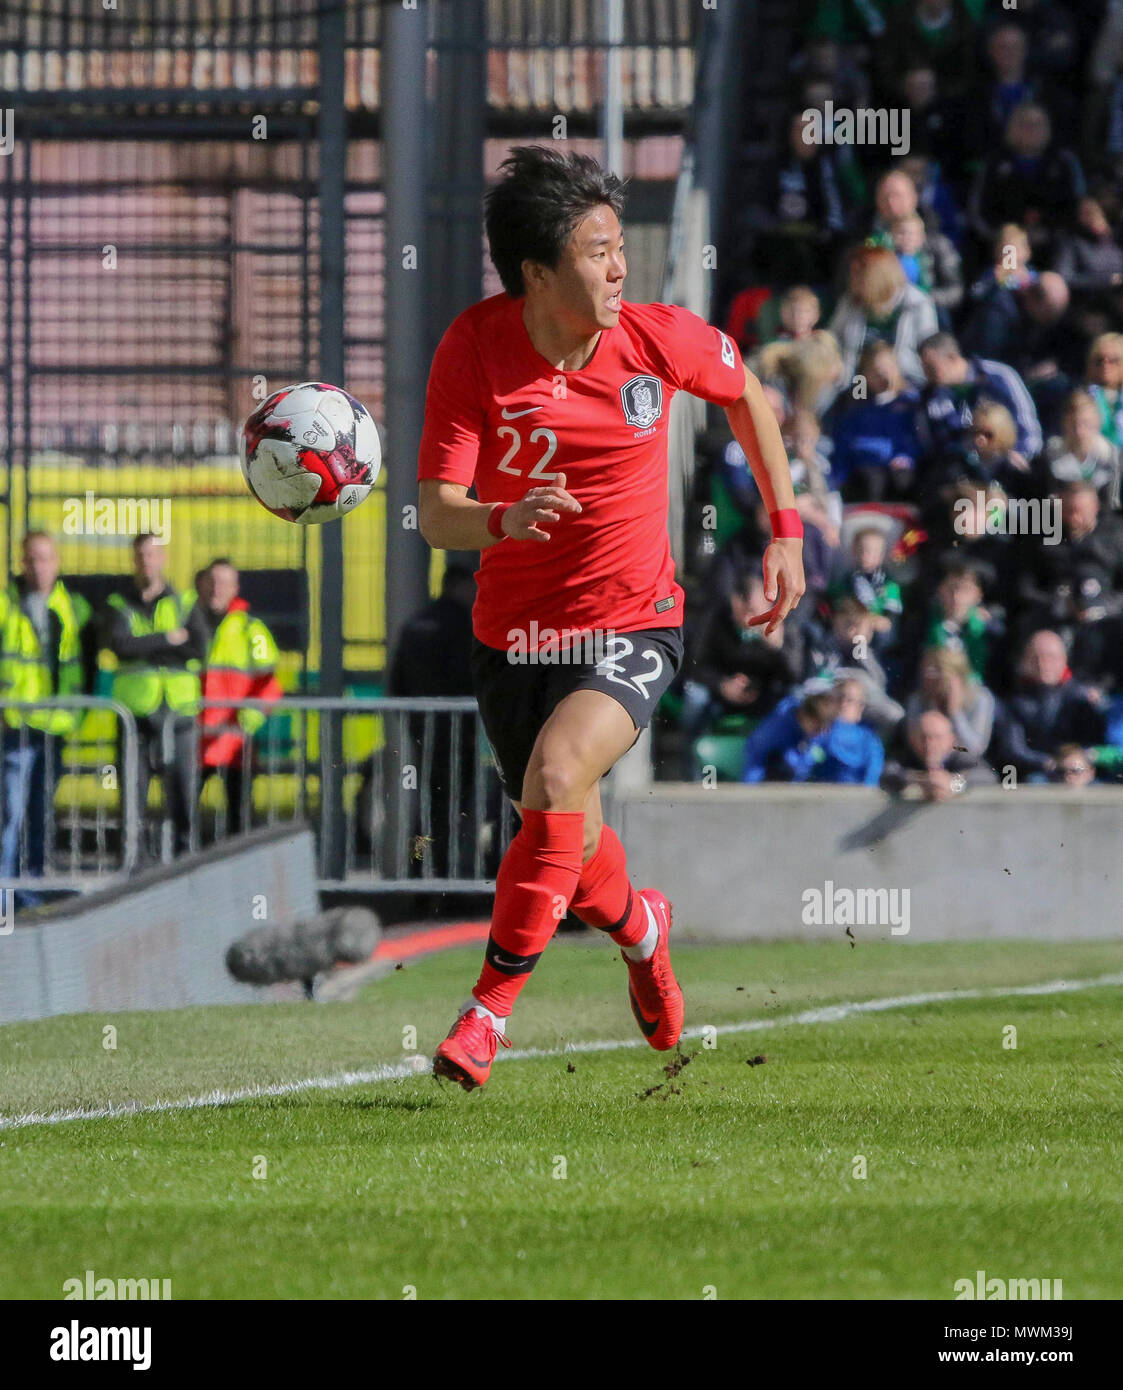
(646, 1028)
(478, 1061)
(514, 414)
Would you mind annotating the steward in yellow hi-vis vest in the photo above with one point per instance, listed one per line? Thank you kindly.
(155, 666)
(32, 668)
(241, 665)
(42, 654)
(159, 642)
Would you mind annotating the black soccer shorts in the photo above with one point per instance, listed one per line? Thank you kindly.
(516, 699)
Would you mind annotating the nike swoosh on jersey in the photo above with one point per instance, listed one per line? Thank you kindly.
(514, 414)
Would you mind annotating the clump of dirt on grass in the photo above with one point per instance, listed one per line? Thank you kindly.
(672, 1070)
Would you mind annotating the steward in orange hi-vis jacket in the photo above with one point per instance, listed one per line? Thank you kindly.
(240, 665)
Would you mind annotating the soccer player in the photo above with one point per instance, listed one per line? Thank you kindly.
(552, 401)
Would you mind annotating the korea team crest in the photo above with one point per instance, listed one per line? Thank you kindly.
(642, 399)
(726, 350)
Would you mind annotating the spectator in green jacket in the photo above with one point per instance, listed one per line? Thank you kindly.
(958, 618)
(868, 581)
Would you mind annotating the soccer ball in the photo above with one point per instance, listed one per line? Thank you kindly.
(310, 453)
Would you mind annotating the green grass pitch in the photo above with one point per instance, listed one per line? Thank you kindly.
(571, 1177)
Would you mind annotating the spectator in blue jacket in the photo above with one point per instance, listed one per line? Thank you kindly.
(787, 745)
(955, 386)
(1113, 722)
(853, 754)
(876, 444)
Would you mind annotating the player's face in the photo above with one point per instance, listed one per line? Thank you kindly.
(587, 286)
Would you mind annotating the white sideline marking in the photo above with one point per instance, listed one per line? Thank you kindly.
(828, 1013)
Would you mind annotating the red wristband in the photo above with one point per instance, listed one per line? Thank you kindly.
(787, 524)
(495, 520)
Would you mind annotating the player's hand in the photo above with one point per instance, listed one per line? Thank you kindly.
(523, 521)
(783, 581)
(177, 636)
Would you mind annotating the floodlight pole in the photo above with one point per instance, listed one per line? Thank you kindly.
(332, 133)
(333, 158)
(408, 270)
(612, 107)
(459, 131)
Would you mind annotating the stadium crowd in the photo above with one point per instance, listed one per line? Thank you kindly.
(939, 329)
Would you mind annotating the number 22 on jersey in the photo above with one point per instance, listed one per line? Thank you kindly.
(538, 473)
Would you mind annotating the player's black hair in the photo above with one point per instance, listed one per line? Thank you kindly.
(531, 212)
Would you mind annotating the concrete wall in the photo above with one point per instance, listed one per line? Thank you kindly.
(160, 942)
(737, 861)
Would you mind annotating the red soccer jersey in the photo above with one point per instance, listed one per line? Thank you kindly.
(499, 416)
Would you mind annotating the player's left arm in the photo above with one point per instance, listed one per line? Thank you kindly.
(755, 428)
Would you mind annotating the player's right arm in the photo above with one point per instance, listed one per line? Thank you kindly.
(451, 520)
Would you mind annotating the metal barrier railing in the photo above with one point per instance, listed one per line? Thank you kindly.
(415, 804)
(69, 801)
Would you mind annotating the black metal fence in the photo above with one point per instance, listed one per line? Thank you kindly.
(411, 804)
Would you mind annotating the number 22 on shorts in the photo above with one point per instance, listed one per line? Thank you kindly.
(622, 647)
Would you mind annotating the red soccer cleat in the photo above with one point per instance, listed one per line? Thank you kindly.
(652, 988)
(467, 1053)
